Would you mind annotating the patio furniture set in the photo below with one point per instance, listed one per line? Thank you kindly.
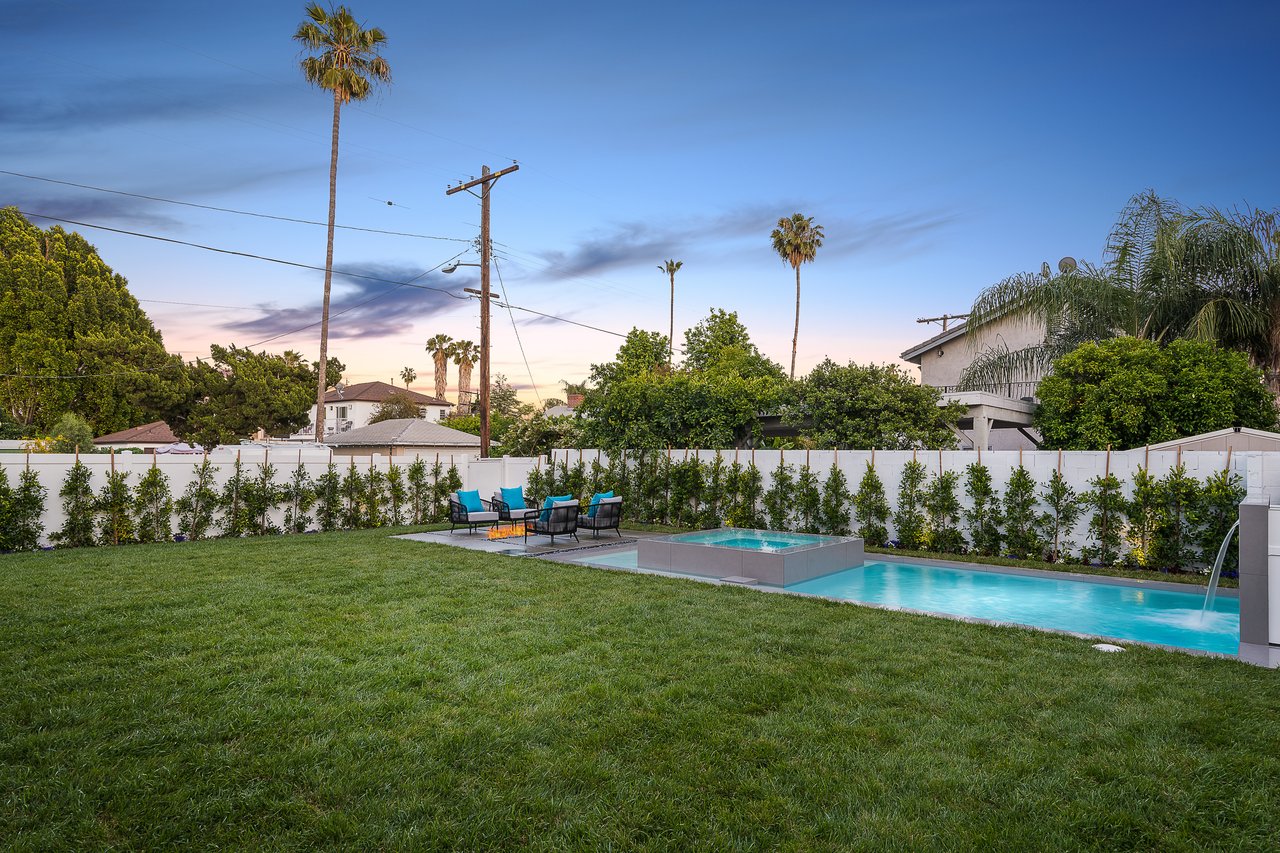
(558, 516)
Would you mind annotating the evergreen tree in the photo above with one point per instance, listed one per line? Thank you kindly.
(235, 518)
(1064, 510)
(836, 497)
(984, 515)
(21, 512)
(114, 509)
(77, 507)
(808, 501)
(1106, 499)
(1021, 537)
(942, 508)
(872, 508)
(153, 507)
(329, 499)
(419, 493)
(396, 495)
(353, 498)
(198, 503)
(298, 497)
(1142, 512)
(375, 490)
(779, 500)
(261, 497)
(908, 520)
(1216, 510)
(1178, 495)
(713, 503)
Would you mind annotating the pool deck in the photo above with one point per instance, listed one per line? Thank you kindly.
(536, 546)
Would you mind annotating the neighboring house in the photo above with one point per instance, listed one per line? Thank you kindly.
(403, 437)
(146, 437)
(574, 400)
(1232, 438)
(351, 406)
(998, 417)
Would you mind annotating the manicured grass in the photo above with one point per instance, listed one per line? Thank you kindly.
(349, 690)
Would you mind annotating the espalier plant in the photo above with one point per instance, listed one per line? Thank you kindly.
(199, 502)
(836, 499)
(329, 499)
(298, 496)
(983, 516)
(942, 509)
(153, 507)
(909, 519)
(1021, 537)
(872, 508)
(1063, 509)
(77, 507)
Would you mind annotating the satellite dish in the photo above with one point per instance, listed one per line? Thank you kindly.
(1044, 269)
(1067, 264)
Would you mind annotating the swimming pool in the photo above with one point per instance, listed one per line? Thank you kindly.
(1119, 611)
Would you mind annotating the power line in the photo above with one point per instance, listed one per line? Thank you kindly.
(502, 285)
(250, 255)
(229, 209)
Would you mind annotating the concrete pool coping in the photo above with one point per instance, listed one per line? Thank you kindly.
(972, 620)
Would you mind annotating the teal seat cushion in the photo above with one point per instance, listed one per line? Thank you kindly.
(514, 498)
(471, 501)
(549, 503)
(595, 502)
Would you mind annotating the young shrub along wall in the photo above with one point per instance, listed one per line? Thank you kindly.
(110, 499)
(1069, 505)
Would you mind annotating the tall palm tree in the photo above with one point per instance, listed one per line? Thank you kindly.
(441, 349)
(344, 60)
(465, 354)
(671, 268)
(1159, 279)
(408, 374)
(797, 240)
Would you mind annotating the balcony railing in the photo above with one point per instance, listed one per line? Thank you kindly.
(1012, 390)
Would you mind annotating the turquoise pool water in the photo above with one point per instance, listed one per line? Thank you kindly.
(751, 540)
(1168, 618)
(1108, 610)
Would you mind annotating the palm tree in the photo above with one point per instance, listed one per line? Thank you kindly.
(408, 375)
(344, 61)
(671, 268)
(797, 240)
(441, 349)
(1160, 279)
(465, 354)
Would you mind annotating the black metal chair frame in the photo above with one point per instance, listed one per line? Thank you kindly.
(505, 511)
(563, 521)
(608, 517)
(460, 517)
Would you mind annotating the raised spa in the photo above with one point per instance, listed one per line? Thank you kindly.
(774, 558)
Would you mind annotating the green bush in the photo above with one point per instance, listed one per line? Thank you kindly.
(836, 497)
(908, 519)
(114, 507)
(872, 509)
(1021, 537)
(153, 507)
(78, 507)
(198, 504)
(984, 515)
(942, 509)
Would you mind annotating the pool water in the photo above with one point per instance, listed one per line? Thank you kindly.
(1108, 610)
(751, 540)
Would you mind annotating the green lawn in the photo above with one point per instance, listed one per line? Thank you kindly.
(349, 690)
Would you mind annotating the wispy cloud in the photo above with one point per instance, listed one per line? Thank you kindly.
(628, 243)
(366, 309)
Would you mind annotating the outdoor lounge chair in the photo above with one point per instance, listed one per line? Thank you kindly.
(460, 516)
(561, 520)
(606, 516)
(503, 505)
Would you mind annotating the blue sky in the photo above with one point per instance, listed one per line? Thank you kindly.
(942, 145)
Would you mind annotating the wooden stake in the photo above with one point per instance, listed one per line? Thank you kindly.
(1059, 461)
(1228, 468)
(806, 457)
(113, 460)
(1107, 472)
(1019, 457)
(939, 460)
(1146, 459)
(1179, 455)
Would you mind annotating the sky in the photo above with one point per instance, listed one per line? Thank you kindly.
(942, 146)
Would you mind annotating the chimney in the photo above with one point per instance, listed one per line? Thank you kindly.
(574, 400)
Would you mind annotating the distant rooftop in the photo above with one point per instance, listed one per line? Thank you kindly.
(156, 432)
(405, 432)
(376, 392)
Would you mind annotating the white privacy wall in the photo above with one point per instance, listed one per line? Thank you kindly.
(1259, 471)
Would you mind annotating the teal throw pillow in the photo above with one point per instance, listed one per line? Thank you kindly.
(471, 501)
(595, 502)
(514, 498)
(550, 502)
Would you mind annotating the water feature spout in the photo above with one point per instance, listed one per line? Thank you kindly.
(1212, 592)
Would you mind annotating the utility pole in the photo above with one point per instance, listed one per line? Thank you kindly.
(486, 181)
(945, 318)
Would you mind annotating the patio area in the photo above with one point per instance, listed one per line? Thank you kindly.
(536, 546)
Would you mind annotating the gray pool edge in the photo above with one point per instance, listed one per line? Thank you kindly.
(780, 568)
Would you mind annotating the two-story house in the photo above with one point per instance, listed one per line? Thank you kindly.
(351, 406)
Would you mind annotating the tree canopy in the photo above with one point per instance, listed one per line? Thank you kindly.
(398, 404)
(868, 406)
(1127, 392)
(239, 392)
(73, 339)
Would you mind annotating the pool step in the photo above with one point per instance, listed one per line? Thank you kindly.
(739, 579)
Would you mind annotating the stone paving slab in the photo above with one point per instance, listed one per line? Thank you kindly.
(537, 546)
